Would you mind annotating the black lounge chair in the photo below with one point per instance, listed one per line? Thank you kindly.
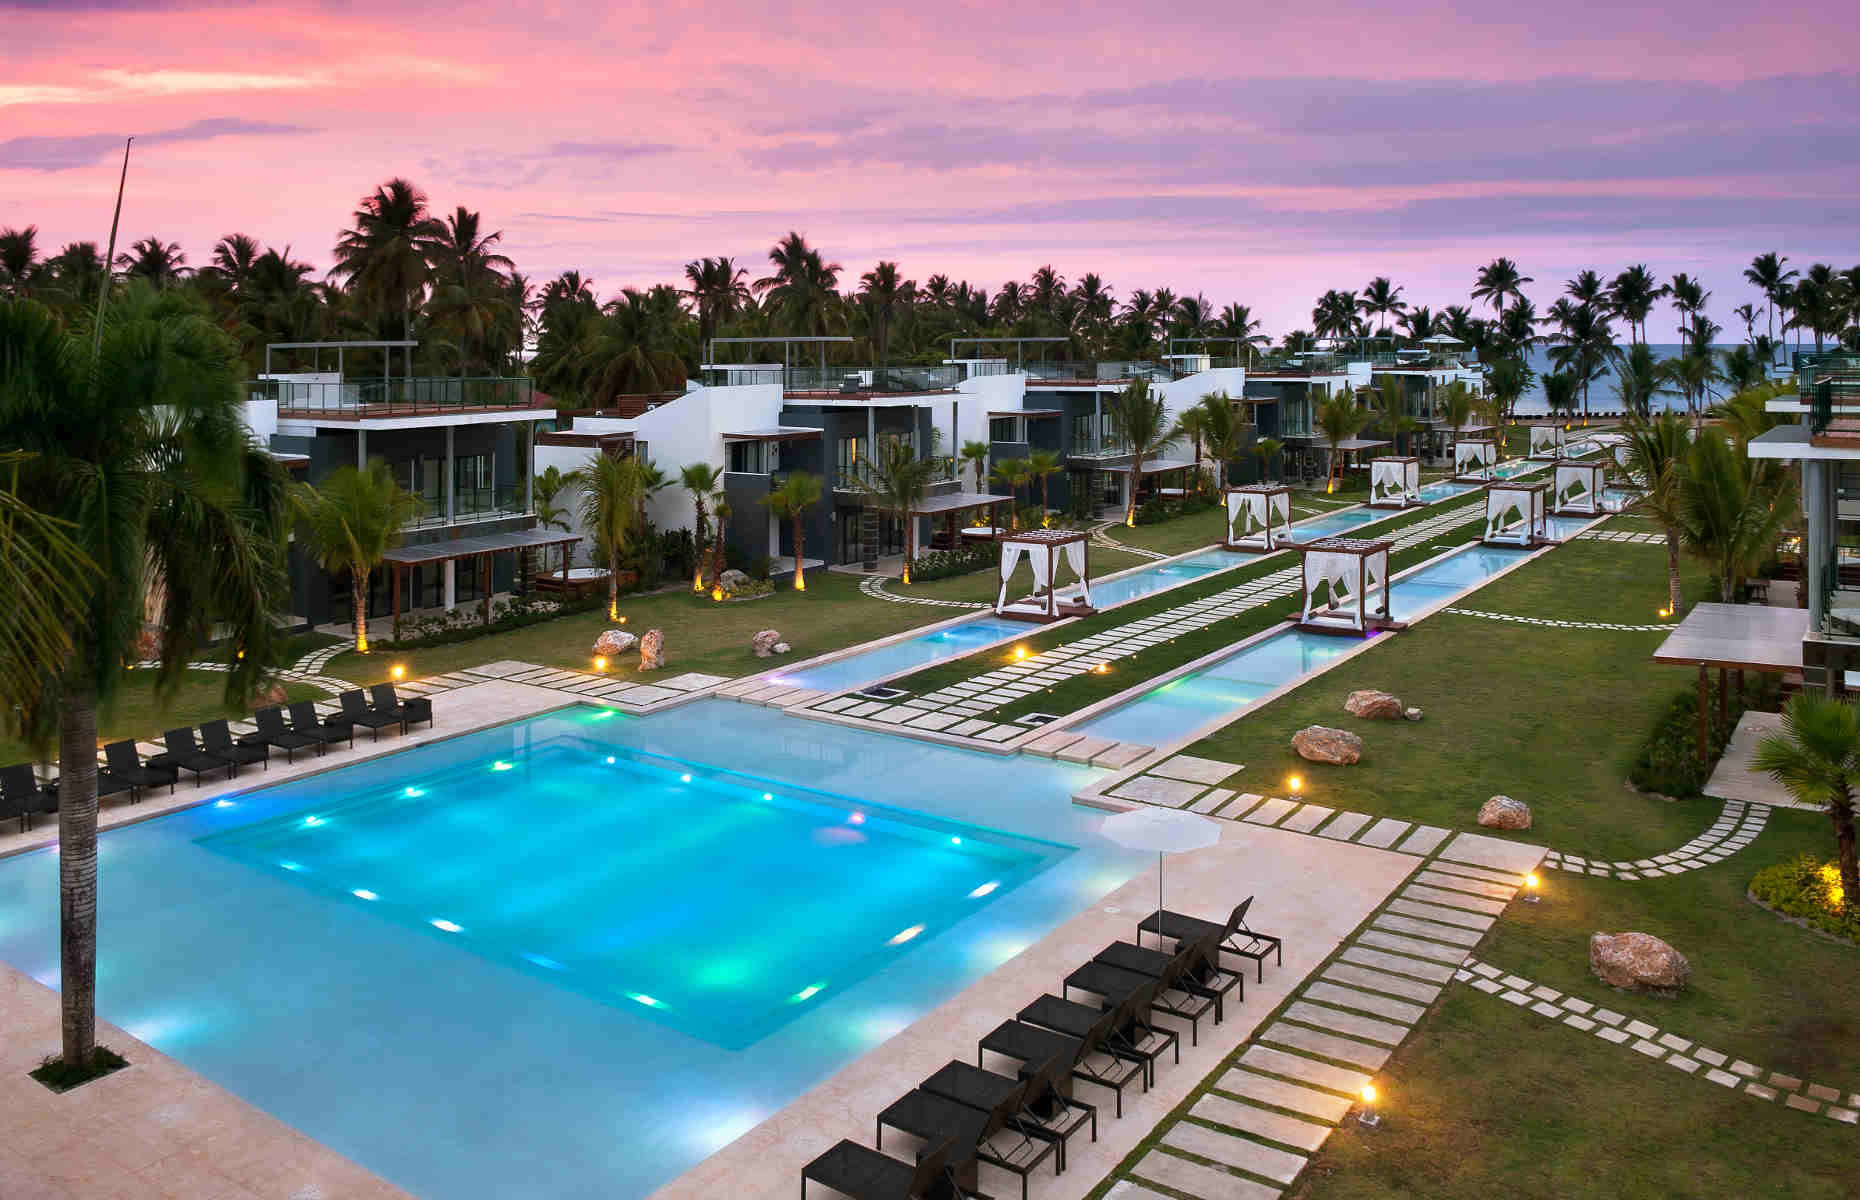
(272, 732)
(123, 764)
(185, 754)
(216, 739)
(1204, 977)
(1086, 1057)
(1235, 936)
(866, 1174)
(1045, 1111)
(989, 1134)
(23, 796)
(1132, 1037)
(1113, 983)
(305, 721)
(414, 710)
(355, 711)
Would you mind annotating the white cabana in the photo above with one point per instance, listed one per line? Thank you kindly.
(1394, 481)
(1548, 440)
(1474, 459)
(1258, 516)
(1579, 484)
(1045, 550)
(1352, 576)
(1514, 514)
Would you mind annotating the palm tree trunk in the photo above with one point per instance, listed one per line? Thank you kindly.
(1044, 519)
(697, 577)
(358, 593)
(1841, 812)
(800, 585)
(613, 587)
(77, 875)
(716, 553)
(1672, 572)
(1136, 477)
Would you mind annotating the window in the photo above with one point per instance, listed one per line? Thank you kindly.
(752, 458)
(1081, 432)
(1002, 429)
(851, 450)
(471, 475)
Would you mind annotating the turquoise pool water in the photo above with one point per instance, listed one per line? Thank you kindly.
(476, 1024)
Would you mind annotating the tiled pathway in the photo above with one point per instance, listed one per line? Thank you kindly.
(1736, 827)
(1549, 624)
(1273, 1105)
(1681, 1054)
(1101, 538)
(874, 586)
(1631, 537)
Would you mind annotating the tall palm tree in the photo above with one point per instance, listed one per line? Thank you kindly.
(1688, 297)
(138, 449)
(19, 257)
(700, 481)
(45, 576)
(1767, 273)
(1141, 423)
(349, 523)
(802, 286)
(1562, 392)
(975, 454)
(1335, 314)
(1657, 449)
(234, 258)
(1266, 448)
(1632, 295)
(1581, 345)
(1223, 431)
(1731, 507)
(1419, 323)
(549, 515)
(1012, 473)
(1237, 322)
(383, 257)
(886, 295)
(719, 289)
(896, 483)
(1338, 419)
(1817, 757)
(1587, 289)
(161, 263)
(1381, 298)
(1747, 313)
(1817, 304)
(1637, 377)
(1040, 465)
(609, 501)
(1498, 280)
(797, 493)
(1506, 380)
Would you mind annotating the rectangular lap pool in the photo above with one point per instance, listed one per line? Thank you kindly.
(575, 954)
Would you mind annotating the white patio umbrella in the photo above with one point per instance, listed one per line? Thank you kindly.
(1442, 339)
(1164, 830)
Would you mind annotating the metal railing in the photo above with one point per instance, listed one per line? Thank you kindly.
(852, 381)
(1114, 371)
(394, 397)
(472, 504)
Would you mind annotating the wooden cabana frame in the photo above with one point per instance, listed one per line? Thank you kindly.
(1354, 575)
(1394, 481)
(1259, 516)
(1475, 460)
(1548, 440)
(1527, 499)
(1045, 550)
(1579, 487)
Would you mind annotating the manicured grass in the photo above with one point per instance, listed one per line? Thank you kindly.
(138, 713)
(1550, 716)
(1487, 1099)
(700, 634)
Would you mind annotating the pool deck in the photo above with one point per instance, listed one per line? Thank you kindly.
(1312, 892)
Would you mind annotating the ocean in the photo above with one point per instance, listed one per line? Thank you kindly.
(1602, 394)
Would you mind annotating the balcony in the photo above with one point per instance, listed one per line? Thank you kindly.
(1093, 372)
(353, 399)
(832, 381)
(472, 504)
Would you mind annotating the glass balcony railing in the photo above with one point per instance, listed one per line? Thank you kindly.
(410, 396)
(472, 504)
(852, 381)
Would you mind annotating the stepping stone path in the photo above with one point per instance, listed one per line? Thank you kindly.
(1623, 535)
(1101, 538)
(874, 586)
(1736, 827)
(1549, 624)
(1270, 1108)
(1682, 1054)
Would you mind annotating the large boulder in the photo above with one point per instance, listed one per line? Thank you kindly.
(732, 581)
(1637, 961)
(652, 650)
(1502, 812)
(1373, 705)
(767, 642)
(1320, 743)
(614, 643)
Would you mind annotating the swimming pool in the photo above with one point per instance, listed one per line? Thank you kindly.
(452, 988)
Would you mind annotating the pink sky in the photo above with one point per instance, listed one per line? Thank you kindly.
(1254, 156)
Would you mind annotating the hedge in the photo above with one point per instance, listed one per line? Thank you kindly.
(1805, 888)
(1668, 761)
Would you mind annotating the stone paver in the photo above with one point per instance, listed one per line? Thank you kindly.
(1214, 799)
(1275, 1127)
(1195, 770)
(1270, 811)
(1305, 1070)
(1432, 971)
(1413, 946)
(1381, 981)
(1343, 1049)
(1423, 840)
(1433, 895)
(1244, 1154)
(1150, 790)
(1123, 754)
(1280, 1094)
(1082, 750)
(1306, 819)
(1382, 1006)
(1436, 913)
(1174, 1171)
(1383, 833)
(1344, 826)
(1434, 930)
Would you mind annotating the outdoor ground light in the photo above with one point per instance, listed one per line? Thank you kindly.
(600, 663)
(1295, 785)
(1369, 1116)
(1530, 888)
(398, 671)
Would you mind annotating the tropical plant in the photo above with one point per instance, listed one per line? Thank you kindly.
(1382, 298)
(550, 515)
(608, 504)
(1040, 465)
(46, 577)
(383, 257)
(19, 258)
(975, 454)
(1688, 297)
(1266, 448)
(897, 483)
(801, 289)
(1632, 295)
(348, 524)
(1338, 419)
(1562, 392)
(1142, 427)
(1507, 380)
(1223, 431)
(701, 482)
(1497, 280)
(1731, 507)
(160, 263)
(1638, 378)
(136, 447)
(797, 493)
(1657, 449)
(1334, 315)
(1768, 274)
(1011, 473)
(1581, 345)
(1816, 756)
(718, 290)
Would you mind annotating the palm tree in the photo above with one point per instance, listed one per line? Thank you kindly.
(160, 263)
(1581, 345)
(1041, 464)
(802, 286)
(1767, 273)
(1338, 419)
(1562, 392)
(1334, 314)
(700, 481)
(1731, 507)
(610, 496)
(897, 483)
(1192, 424)
(234, 257)
(383, 257)
(1587, 289)
(550, 515)
(19, 257)
(349, 523)
(1011, 473)
(1237, 322)
(1817, 756)
(1142, 426)
(1223, 431)
(1382, 299)
(1657, 449)
(975, 454)
(1497, 280)
(1419, 323)
(1688, 297)
(797, 493)
(46, 578)
(1266, 448)
(1507, 380)
(1747, 313)
(1637, 377)
(1632, 295)
(1816, 304)
(886, 295)
(1692, 373)
(719, 290)
(138, 450)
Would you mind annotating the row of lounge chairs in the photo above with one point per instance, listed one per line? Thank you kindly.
(23, 796)
(967, 1115)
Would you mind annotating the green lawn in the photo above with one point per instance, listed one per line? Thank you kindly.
(137, 713)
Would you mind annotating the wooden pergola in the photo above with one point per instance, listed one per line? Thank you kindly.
(1733, 637)
(1579, 484)
(1474, 459)
(1394, 481)
(1548, 439)
(1044, 550)
(1259, 516)
(477, 550)
(1349, 570)
(1526, 497)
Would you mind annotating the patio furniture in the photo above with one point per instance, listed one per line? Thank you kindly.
(1258, 516)
(1346, 586)
(123, 763)
(1086, 1056)
(1113, 983)
(216, 739)
(988, 1133)
(184, 754)
(1204, 976)
(23, 796)
(1131, 1037)
(1044, 1110)
(305, 721)
(355, 711)
(411, 711)
(1235, 936)
(1514, 514)
(1045, 551)
(272, 732)
(866, 1174)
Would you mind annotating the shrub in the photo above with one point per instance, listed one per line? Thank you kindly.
(942, 564)
(1808, 889)
(755, 587)
(1668, 761)
(466, 622)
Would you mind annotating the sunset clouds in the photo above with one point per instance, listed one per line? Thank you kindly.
(1259, 156)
